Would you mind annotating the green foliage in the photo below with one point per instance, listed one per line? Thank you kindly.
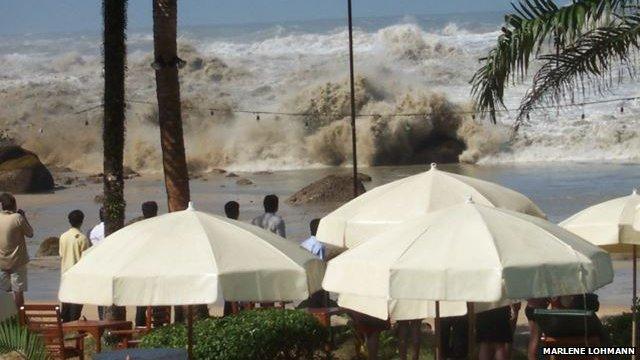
(533, 25)
(586, 62)
(258, 334)
(18, 339)
(619, 329)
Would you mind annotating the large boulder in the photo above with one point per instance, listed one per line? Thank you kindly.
(330, 189)
(49, 247)
(22, 172)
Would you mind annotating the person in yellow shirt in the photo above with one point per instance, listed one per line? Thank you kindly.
(72, 244)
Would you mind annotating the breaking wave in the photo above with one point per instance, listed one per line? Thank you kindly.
(402, 69)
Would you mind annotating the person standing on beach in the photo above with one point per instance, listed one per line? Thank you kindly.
(534, 331)
(232, 211)
(14, 227)
(269, 220)
(72, 244)
(312, 244)
(149, 209)
(96, 235)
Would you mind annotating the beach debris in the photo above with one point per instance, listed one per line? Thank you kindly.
(330, 189)
(244, 181)
(129, 173)
(49, 247)
(21, 171)
(364, 177)
(231, 174)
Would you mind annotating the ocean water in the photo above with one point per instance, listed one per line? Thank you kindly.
(412, 64)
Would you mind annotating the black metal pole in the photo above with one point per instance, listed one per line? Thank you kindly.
(353, 105)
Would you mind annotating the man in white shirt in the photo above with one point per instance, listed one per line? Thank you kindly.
(269, 220)
(312, 244)
(96, 235)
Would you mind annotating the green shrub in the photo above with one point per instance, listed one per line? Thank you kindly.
(19, 340)
(257, 335)
(619, 329)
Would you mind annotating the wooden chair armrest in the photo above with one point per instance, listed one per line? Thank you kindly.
(78, 336)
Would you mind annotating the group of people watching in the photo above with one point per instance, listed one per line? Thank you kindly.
(494, 330)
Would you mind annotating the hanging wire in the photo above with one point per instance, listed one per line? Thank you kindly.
(472, 113)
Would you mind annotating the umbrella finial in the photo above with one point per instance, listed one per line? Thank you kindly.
(190, 206)
(469, 200)
(434, 166)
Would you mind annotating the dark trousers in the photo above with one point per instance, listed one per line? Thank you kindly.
(454, 336)
(70, 312)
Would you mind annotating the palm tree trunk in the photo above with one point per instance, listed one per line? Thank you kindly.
(168, 93)
(174, 160)
(115, 52)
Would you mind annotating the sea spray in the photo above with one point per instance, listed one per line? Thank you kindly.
(401, 68)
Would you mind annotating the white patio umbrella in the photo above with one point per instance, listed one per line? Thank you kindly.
(389, 205)
(7, 306)
(470, 253)
(187, 258)
(610, 225)
(403, 309)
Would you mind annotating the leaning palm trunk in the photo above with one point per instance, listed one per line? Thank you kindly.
(176, 175)
(168, 93)
(115, 50)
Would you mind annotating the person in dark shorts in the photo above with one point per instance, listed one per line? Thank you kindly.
(454, 337)
(534, 331)
(369, 328)
(494, 333)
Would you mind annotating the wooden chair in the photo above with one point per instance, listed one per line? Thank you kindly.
(46, 321)
(155, 317)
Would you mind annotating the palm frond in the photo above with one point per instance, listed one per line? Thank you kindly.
(534, 23)
(18, 339)
(588, 63)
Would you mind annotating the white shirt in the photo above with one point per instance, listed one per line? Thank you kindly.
(96, 235)
(271, 222)
(314, 246)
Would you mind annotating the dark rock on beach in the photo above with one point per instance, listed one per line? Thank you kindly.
(364, 177)
(330, 189)
(231, 174)
(49, 247)
(244, 181)
(22, 172)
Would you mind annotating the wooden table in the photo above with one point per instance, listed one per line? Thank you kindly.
(96, 328)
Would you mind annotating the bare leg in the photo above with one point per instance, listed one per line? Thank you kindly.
(372, 345)
(415, 338)
(502, 351)
(485, 351)
(534, 339)
(403, 338)
(18, 298)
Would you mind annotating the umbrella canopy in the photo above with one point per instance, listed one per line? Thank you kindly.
(608, 224)
(397, 310)
(7, 306)
(474, 253)
(388, 205)
(187, 258)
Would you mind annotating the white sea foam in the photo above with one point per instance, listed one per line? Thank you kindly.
(45, 80)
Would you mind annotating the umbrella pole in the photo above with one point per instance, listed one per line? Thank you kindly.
(190, 332)
(436, 325)
(471, 341)
(634, 326)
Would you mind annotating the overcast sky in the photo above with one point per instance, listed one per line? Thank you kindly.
(44, 16)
